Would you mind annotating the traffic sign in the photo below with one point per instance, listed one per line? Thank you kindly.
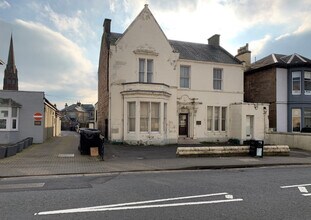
(37, 116)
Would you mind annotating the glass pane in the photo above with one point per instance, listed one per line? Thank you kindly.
(144, 116)
(307, 118)
(149, 70)
(209, 118)
(184, 76)
(296, 82)
(14, 124)
(223, 118)
(307, 83)
(141, 70)
(2, 123)
(155, 116)
(131, 115)
(14, 112)
(216, 125)
(4, 113)
(296, 116)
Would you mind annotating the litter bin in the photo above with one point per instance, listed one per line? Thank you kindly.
(89, 138)
(256, 148)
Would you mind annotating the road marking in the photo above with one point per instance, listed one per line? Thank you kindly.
(308, 194)
(303, 189)
(134, 205)
(22, 186)
(229, 196)
(293, 186)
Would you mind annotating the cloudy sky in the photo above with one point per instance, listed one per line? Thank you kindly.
(57, 42)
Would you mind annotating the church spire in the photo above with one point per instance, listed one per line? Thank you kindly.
(10, 81)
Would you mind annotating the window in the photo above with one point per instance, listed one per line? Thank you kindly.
(9, 118)
(144, 116)
(131, 116)
(296, 81)
(184, 76)
(216, 118)
(165, 118)
(296, 119)
(217, 79)
(209, 118)
(146, 70)
(307, 83)
(223, 118)
(307, 118)
(149, 120)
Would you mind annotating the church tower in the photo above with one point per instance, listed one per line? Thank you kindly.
(10, 81)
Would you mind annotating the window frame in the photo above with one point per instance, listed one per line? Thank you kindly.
(182, 77)
(130, 117)
(149, 118)
(307, 116)
(145, 70)
(9, 119)
(217, 81)
(298, 115)
(296, 92)
(307, 81)
(216, 118)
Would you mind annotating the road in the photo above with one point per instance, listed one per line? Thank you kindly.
(256, 193)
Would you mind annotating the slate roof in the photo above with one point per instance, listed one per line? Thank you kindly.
(280, 60)
(194, 51)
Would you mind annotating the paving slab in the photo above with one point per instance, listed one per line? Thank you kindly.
(60, 156)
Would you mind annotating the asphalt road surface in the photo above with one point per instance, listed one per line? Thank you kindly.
(257, 193)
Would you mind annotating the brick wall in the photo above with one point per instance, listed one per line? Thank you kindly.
(103, 86)
(260, 87)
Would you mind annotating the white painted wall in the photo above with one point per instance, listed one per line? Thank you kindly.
(293, 140)
(145, 39)
(238, 115)
(281, 100)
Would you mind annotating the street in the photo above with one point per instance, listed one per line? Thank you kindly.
(253, 193)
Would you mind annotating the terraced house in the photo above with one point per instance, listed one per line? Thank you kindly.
(152, 90)
(284, 81)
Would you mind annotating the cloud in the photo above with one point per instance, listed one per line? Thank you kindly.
(48, 61)
(74, 25)
(257, 46)
(4, 4)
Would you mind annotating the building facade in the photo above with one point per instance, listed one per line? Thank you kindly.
(152, 90)
(284, 81)
(27, 114)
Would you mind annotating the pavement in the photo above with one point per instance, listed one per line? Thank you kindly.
(60, 156)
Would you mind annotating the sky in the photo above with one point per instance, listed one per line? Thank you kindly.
(57, 42)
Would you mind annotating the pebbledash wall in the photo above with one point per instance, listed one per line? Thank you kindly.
(31, 103)
(144, 39)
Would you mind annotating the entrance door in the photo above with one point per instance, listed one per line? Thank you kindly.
(183, 124)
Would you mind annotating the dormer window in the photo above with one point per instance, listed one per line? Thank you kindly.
(146, 70)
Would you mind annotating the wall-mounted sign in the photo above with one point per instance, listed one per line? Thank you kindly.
(37, 116)
(37, 123)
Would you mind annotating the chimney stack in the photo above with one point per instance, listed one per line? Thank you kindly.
(107, 24)
(244, 55)
(214, 40)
